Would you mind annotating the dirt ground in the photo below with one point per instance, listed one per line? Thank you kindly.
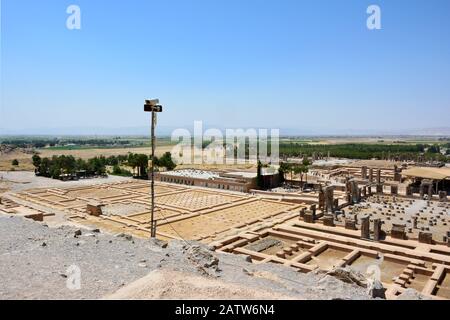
(23, 180)
(25, 162)
(120, 267)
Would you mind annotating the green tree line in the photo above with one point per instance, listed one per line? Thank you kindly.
(364, 151)
(57, 166)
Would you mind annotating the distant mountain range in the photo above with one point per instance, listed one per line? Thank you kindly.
(167, 131)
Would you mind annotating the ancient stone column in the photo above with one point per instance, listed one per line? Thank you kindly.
(394, 189)
(378, 176)
(349, 198)
(397, 175)
(313, 210)
(369, 190)
(414, 222)
(371, 174)
(365, 227)
(430, 191)
(355, 192)
(329, 199)
(364, 172)
(321, 199)
(377, 229)
(422, 186)
(335, 204)
(348, 187)
(380, 188)
(302, 212)
(443, 196)
(409, 191)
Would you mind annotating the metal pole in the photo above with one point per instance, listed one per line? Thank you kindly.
(152, 226)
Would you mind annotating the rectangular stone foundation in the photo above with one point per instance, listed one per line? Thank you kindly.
(328, 221)
(398, 231)
(425, 237)
(350, 224)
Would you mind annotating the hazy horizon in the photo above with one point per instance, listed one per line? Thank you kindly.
(167, 131)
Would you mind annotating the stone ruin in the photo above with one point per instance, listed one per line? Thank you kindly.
(353, 192)
(443, 196)
(94, 209)
(397, 174)
(398, 231)
(425, 237)
(394, 189)
(326, 199)
(428, 186)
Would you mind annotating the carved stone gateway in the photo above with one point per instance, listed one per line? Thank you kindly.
(365, 227)
(329, 199)
(409, 191)
(353, 192)
(377, 232)
(426, 185)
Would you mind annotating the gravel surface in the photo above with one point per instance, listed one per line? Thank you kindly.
(34, 262)
(279, 280)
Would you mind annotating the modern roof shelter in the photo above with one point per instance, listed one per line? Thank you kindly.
(428, 173)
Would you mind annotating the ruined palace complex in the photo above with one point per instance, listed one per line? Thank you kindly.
(373, 217)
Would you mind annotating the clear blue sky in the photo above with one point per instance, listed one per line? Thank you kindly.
(264, 63)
